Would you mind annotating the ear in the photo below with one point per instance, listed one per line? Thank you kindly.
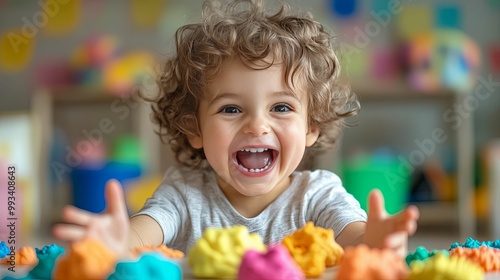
(311, 136)
(196, 141)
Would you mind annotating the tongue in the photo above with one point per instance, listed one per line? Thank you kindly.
(254, 160)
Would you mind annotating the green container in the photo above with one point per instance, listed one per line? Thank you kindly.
(127, 149)
(363, 174)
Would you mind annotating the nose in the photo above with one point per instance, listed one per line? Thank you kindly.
(256, 124)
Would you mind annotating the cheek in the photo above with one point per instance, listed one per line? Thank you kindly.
(215, 138)
(216, 131)
(293, 136)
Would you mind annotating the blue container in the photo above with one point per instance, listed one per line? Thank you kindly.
(89, 183)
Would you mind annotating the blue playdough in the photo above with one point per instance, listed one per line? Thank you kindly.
(46, 259)
(149, 266)
(421, 254)
(473, 243)
(4, 250)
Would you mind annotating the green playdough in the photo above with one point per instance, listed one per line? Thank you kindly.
(46, 259)
(473, 243)
(421, 254)
(4, 250)
(149, 266)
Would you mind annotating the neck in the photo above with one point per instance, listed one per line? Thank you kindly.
(251, 206)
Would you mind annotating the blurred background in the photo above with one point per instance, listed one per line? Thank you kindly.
(427, 74)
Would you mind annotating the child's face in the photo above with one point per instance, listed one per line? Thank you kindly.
(253, 128)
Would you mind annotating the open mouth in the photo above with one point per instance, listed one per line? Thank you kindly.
(255, 159)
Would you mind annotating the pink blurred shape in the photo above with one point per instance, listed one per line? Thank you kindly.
(384, 64)
(51, 73)
(275, 264)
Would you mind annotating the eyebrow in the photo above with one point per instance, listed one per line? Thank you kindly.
(275, 93)
(287, 93)
(222, 96)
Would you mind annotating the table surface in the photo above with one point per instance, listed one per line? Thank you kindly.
(329, 273)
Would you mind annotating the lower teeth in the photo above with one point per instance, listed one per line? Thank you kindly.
(257, 169)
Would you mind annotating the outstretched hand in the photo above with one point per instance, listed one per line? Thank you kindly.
(385, 231)
(110, 227)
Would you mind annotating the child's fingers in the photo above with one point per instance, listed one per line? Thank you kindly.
(413, 212)
(411, 227)
(409, 219)
(412, 218)
(71, 214)
(397, 243)
(376, 207)
(405, 221)
(115, 198)
(68, 232)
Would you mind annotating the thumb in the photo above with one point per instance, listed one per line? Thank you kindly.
(115, 199)
(376, 206)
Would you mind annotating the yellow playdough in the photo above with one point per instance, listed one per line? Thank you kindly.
(442, 267)
(87, 259)
(218, 253)
(313, 249)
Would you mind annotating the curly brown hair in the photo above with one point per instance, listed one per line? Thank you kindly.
(243, 29)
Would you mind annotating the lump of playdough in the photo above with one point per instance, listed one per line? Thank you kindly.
(421, 254)
(86, 259)
(486, 257)
(313, 249)
(167, 252)
(46, 259)
(149, 266)
(442, 267)
(4, 250)
(362, 262)
(275, 264)
(473, 243)
(218, 253)
(24, 256)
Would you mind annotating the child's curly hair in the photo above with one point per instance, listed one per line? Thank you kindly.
(226, 30)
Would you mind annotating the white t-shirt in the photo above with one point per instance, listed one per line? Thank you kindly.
(189, 201)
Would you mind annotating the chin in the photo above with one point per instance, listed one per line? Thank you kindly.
(251, 192)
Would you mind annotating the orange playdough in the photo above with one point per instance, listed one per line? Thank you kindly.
(167, 252)
(486, 257)
(26, 255)
(87, 259)
(313, 249)
(362, 262)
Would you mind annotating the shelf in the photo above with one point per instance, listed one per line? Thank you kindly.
(49, 102)
(398, 92)
(392, 95)
(82, 95)
(437, 212)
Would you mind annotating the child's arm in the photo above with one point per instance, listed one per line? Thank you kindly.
(144, 231)
(112, 227)
(381, 230)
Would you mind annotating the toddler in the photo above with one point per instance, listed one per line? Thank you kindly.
(243, 99)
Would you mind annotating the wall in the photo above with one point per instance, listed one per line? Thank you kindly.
(478, 19)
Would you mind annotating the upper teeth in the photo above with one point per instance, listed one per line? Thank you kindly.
(256, 150)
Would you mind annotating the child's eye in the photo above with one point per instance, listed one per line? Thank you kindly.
(281, 108)
(230, 110)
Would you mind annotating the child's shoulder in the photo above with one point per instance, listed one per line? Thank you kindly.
(318, 177)
(187, 176)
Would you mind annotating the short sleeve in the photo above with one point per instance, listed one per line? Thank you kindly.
(330, 205)
(167, 206)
